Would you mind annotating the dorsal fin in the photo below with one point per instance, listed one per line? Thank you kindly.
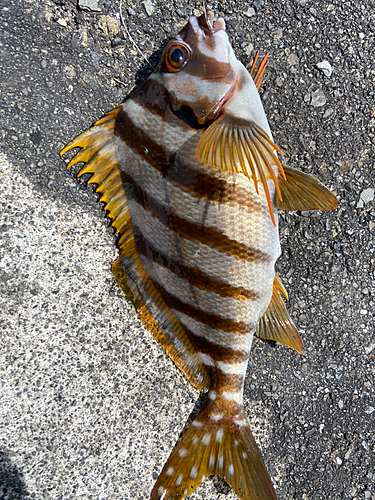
(99, 154)
(300, 191)
(276, 324)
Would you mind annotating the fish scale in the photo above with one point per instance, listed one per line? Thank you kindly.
(189, 175)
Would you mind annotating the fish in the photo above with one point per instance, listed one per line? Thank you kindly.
(191, 180)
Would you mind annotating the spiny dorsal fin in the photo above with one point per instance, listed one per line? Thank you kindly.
(257, 75)
(276, 324)
(300, 191)
(99, 154)
(241, 146)
(214, 444)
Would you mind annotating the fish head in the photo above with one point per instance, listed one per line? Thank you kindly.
(199, 70)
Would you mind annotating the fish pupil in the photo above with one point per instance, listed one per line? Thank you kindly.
(177, 56)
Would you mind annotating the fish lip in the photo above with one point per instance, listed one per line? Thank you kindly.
(207, 24)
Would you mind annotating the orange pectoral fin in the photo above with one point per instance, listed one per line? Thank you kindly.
(241, 146)
(276, 324)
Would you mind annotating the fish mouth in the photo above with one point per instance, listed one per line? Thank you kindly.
(208, 25)
(187, 115)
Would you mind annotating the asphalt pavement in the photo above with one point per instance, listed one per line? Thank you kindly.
(90, 406)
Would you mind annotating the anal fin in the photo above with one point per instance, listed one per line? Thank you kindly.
(276, 324)
(300, 191)
(156, 315)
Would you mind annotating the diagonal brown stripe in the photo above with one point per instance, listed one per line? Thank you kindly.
(217, 352)
(197, 184)
(209, 319)
(189, 230)
(193, 275)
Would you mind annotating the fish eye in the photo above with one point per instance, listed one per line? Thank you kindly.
(176, 56)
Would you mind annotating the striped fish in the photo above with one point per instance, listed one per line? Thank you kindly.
(189, 175)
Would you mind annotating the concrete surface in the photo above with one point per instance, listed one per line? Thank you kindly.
(90, 406)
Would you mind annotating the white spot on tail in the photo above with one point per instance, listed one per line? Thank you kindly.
(195, 441)
(206, 359)
(194, 472)
(219, 435)
(216, 417)
(240, 423)
(206, 439)
(233, 396)
(186, 491)
(211, 462)
(244, 454)
(179, 480)
(161, 490)
(212, 395)
(236, 443)
(169, 471)
(231, 470)
(196, 423)
(182, 452)
(220, 462)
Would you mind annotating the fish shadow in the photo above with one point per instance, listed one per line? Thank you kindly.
(12, 485)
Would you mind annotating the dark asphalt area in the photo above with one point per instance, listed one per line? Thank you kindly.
(90, 406)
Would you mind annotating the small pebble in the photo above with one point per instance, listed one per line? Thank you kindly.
(325, 68)
(149, 7)
(318, 98)
(43, 63)
(249, 12)
(367, 195)
(327, 112)
(257, 4)
(338, 460)
(61, 21)
(293, 60)
(92, 5)
(365, 445)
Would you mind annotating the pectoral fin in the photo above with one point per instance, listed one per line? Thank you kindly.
(300, 191)
(241, 146)
(276, 324)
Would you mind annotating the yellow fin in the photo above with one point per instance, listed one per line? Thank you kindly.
(276, 324)
(99, 154)
(302, 191)
(155, 314)
(215, 444)
(241, 146)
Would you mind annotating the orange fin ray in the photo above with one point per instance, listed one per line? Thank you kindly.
(300, 191)
(99, 155)
(257, 75)
(215, 447)
(276, 324)
(241, 146)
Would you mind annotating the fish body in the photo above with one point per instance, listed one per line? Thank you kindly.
(189, 175)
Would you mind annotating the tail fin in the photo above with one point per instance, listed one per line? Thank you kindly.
(215, 444)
